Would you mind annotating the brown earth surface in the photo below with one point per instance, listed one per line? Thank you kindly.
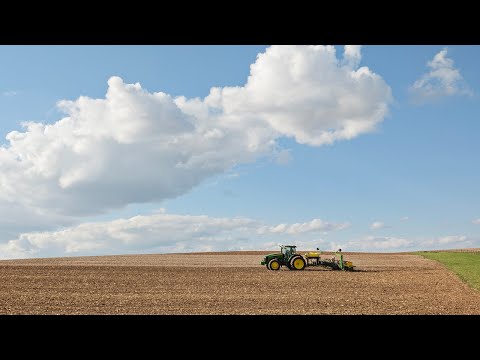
(230, 283)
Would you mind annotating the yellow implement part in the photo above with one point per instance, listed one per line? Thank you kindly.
(312, 254)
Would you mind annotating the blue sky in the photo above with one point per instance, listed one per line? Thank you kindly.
(408, 180)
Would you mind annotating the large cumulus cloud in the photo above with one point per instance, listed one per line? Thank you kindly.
(137, 146)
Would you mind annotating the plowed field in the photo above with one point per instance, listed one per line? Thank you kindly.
(230, 283)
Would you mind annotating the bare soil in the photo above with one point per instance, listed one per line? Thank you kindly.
(230, 283)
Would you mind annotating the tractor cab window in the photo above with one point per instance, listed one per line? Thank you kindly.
(288, 251)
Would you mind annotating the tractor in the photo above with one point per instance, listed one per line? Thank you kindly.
(288, 257)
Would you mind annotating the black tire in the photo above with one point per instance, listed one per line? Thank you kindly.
(273, 265)
(297, 263)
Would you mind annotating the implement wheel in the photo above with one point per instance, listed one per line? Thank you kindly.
(273, 264)
(297, 263)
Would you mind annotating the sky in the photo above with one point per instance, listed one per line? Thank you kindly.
(164, 149)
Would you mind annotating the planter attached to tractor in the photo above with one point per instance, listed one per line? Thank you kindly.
(288, 257)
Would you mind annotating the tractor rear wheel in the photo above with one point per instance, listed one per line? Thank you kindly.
(297, 263)
(273, 264)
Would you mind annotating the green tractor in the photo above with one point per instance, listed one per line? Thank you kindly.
(287, 257)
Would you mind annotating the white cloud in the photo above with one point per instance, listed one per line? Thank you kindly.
(305, 92)
(476, 221)
(372, 243)
(450, 241)
(404, 218)
(136, 146)
(162, 232)
(316, 225)
(10, 93)
(131, 147)
(353, 55)
(399, 243)
(442, 80)
(377, 225)
(395, 243)
(159, 232)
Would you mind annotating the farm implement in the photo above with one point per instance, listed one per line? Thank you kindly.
(289, 257)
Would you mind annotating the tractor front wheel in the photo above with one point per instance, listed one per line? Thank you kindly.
(273, 264)
(297, 263)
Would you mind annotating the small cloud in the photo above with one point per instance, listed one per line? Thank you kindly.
(377, 225)
(316, 225)
(442, 80)
(10, 93)
(458, 241)
(379, 243)
(476, 221)
(279, 228)
(404, 218)
(452, 239)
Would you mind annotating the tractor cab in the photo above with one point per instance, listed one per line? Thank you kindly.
(288, 251)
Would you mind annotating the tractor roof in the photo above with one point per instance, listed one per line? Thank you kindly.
(290, 245)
